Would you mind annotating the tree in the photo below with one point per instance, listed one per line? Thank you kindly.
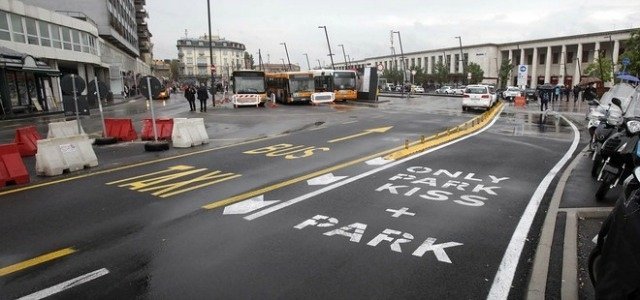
(174, 66)
(477, 74)
(393, 75)
(504, 72)
(420, 77)
(248, 61)
(632, 52)
(441, 73)
(601, 68)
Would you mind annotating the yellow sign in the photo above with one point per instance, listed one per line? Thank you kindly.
(174, 180)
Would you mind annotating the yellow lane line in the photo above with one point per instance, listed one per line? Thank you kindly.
(442, 138)
(30, 187)
(36, 261)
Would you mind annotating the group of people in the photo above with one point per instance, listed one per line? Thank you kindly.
(191, 93)
(555, 94)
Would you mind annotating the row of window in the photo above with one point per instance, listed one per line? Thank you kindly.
(214, 44)
(21, 29)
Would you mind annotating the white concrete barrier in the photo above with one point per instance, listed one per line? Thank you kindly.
(63, 129)
(323, 97)
(188, 132)
(55, 155)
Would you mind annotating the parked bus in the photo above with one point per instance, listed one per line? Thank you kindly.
(341, 82)
(290, 87)
(249, 88)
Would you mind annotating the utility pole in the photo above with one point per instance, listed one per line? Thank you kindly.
(210, 49)
(307, 56)
(319, 65)
(260, 65)
(345, 56)
(287, 52)
(328, 45)
(404, 67)
(464, 73)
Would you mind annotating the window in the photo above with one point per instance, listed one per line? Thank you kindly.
(543, 58)
(585, 56)
(555, 58)
(85, 42)
(76, 40)
(55, 37)
(570, 57)
(4, 27)
(66, 38)
(32, 31)
(18, 30)
(44, 34)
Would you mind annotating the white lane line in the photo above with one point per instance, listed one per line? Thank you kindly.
(66, 285)
(507, 269)
(363, 175)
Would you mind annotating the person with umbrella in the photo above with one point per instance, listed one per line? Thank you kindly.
(546, 92)
(589, 93)
(576, 93)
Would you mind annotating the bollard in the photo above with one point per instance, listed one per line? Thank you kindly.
(406, 144)
(422, 139)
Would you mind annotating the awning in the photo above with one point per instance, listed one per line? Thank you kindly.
(12, 60)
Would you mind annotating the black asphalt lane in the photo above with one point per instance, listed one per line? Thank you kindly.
(87, 213)
(298, 253)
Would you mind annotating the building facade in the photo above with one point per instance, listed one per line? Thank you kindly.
(194, 56)
(117, 23)
(36, 47)
(560, 60)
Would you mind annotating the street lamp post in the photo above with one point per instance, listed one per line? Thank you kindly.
(464, 73)
(287, 52)
(345, 56)
(284, 67)
(307, 56)
(404, 67)
(328, 45)
(319, 65)
(210, 50)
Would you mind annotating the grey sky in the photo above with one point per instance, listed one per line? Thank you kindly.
(363, 26)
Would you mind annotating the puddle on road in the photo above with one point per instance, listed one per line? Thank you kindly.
(532, 123)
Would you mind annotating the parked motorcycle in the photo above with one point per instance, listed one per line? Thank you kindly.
(617, 152)
(614, 264)
(608, 123)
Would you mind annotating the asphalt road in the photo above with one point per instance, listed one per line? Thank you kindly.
(179, 225)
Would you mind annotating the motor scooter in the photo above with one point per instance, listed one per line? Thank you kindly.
(609, 123)
(617, 152)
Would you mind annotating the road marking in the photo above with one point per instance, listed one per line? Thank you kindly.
(288, 151)
(363, 175)
(36, 261)
(66, 285)
(325, 179)
(247, 206)
(368, 131)
(378, 161)
(399, 212)
(507, 269)
(135, 165)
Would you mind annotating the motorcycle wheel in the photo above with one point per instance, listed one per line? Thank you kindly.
(605, 186)
(597, 164)
(594, 265)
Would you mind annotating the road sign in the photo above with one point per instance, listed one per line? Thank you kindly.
(213, 68)
(155, 84)
(380, 67)
(413, 72)
(67, 84)
(626, 61)
(523, 75)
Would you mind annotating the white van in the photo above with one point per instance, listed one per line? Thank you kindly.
(478, 96)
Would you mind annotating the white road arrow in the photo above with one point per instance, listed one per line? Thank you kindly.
(247, 206)
(378, 161)
(325, 179)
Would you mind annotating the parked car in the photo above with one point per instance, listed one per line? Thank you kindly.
(459, 90)
(478, 96)
(511, 93)
(418, 89)
(445, 90)
(531, 94)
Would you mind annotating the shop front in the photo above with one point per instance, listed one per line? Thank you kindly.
(26, 85)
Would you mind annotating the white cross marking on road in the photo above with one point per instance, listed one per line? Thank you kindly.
(399, 212)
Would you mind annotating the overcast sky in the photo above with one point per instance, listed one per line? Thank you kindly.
(363, 26)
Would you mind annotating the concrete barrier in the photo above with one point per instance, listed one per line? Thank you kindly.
(188, 132)
(63, 129)
(57, 155)
(12, 168)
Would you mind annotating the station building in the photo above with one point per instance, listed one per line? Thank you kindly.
(559, 60)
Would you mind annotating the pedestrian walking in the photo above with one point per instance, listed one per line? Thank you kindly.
(203, 95)
(190, 94)
(576, 93)
(545, 96)
(589, 93)
(567, 92)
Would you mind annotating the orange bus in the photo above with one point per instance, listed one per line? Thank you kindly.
(291, 87)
